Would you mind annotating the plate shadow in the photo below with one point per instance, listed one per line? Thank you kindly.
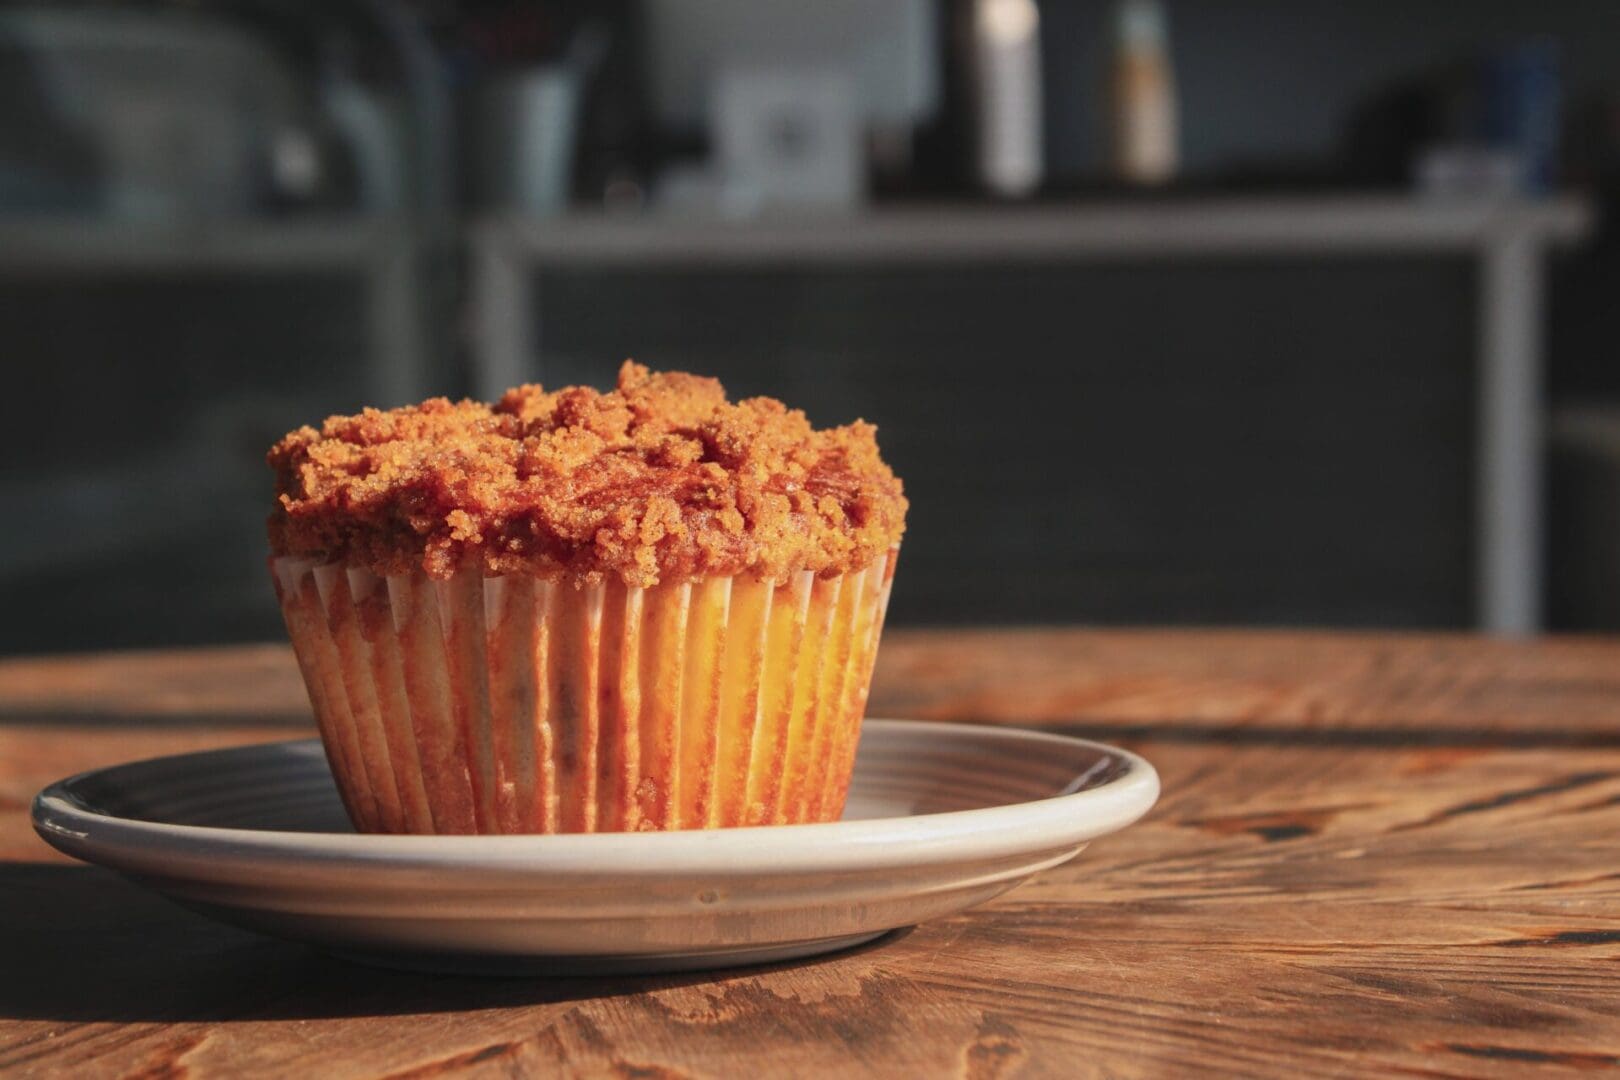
(82, 944)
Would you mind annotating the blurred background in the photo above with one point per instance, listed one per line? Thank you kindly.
(1250, 312)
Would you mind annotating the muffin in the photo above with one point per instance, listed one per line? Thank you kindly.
(574, 611)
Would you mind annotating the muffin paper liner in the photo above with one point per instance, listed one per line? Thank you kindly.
(517, 705)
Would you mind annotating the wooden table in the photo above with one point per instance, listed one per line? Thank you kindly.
(1375, 855)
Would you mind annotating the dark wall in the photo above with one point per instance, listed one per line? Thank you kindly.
(1247, 440)
(132, 442)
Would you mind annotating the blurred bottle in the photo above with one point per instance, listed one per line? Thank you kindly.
(1143, 95)
(1524, 108)
(1006, 52)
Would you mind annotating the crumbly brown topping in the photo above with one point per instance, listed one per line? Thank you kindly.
(662, 479)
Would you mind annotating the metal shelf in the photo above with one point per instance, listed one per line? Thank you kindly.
(1213, 227)
(71, 244)
(1508, 238)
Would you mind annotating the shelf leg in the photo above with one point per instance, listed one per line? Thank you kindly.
(398, 367)
(1510, 438)
(503, 353)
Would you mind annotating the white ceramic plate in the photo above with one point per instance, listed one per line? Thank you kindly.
(940, 817)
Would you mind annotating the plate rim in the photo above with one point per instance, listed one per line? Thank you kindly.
(134, 845)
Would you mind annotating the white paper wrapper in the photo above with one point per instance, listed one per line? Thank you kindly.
(515, 705)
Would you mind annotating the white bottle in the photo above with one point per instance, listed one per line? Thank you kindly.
(1007, 68)
(1144, 96)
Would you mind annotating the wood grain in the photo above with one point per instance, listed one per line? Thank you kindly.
(1375, 856)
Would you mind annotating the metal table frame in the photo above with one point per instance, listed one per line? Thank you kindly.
(1509, 239)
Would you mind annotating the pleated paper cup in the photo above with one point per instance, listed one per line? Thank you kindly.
(517, 705)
